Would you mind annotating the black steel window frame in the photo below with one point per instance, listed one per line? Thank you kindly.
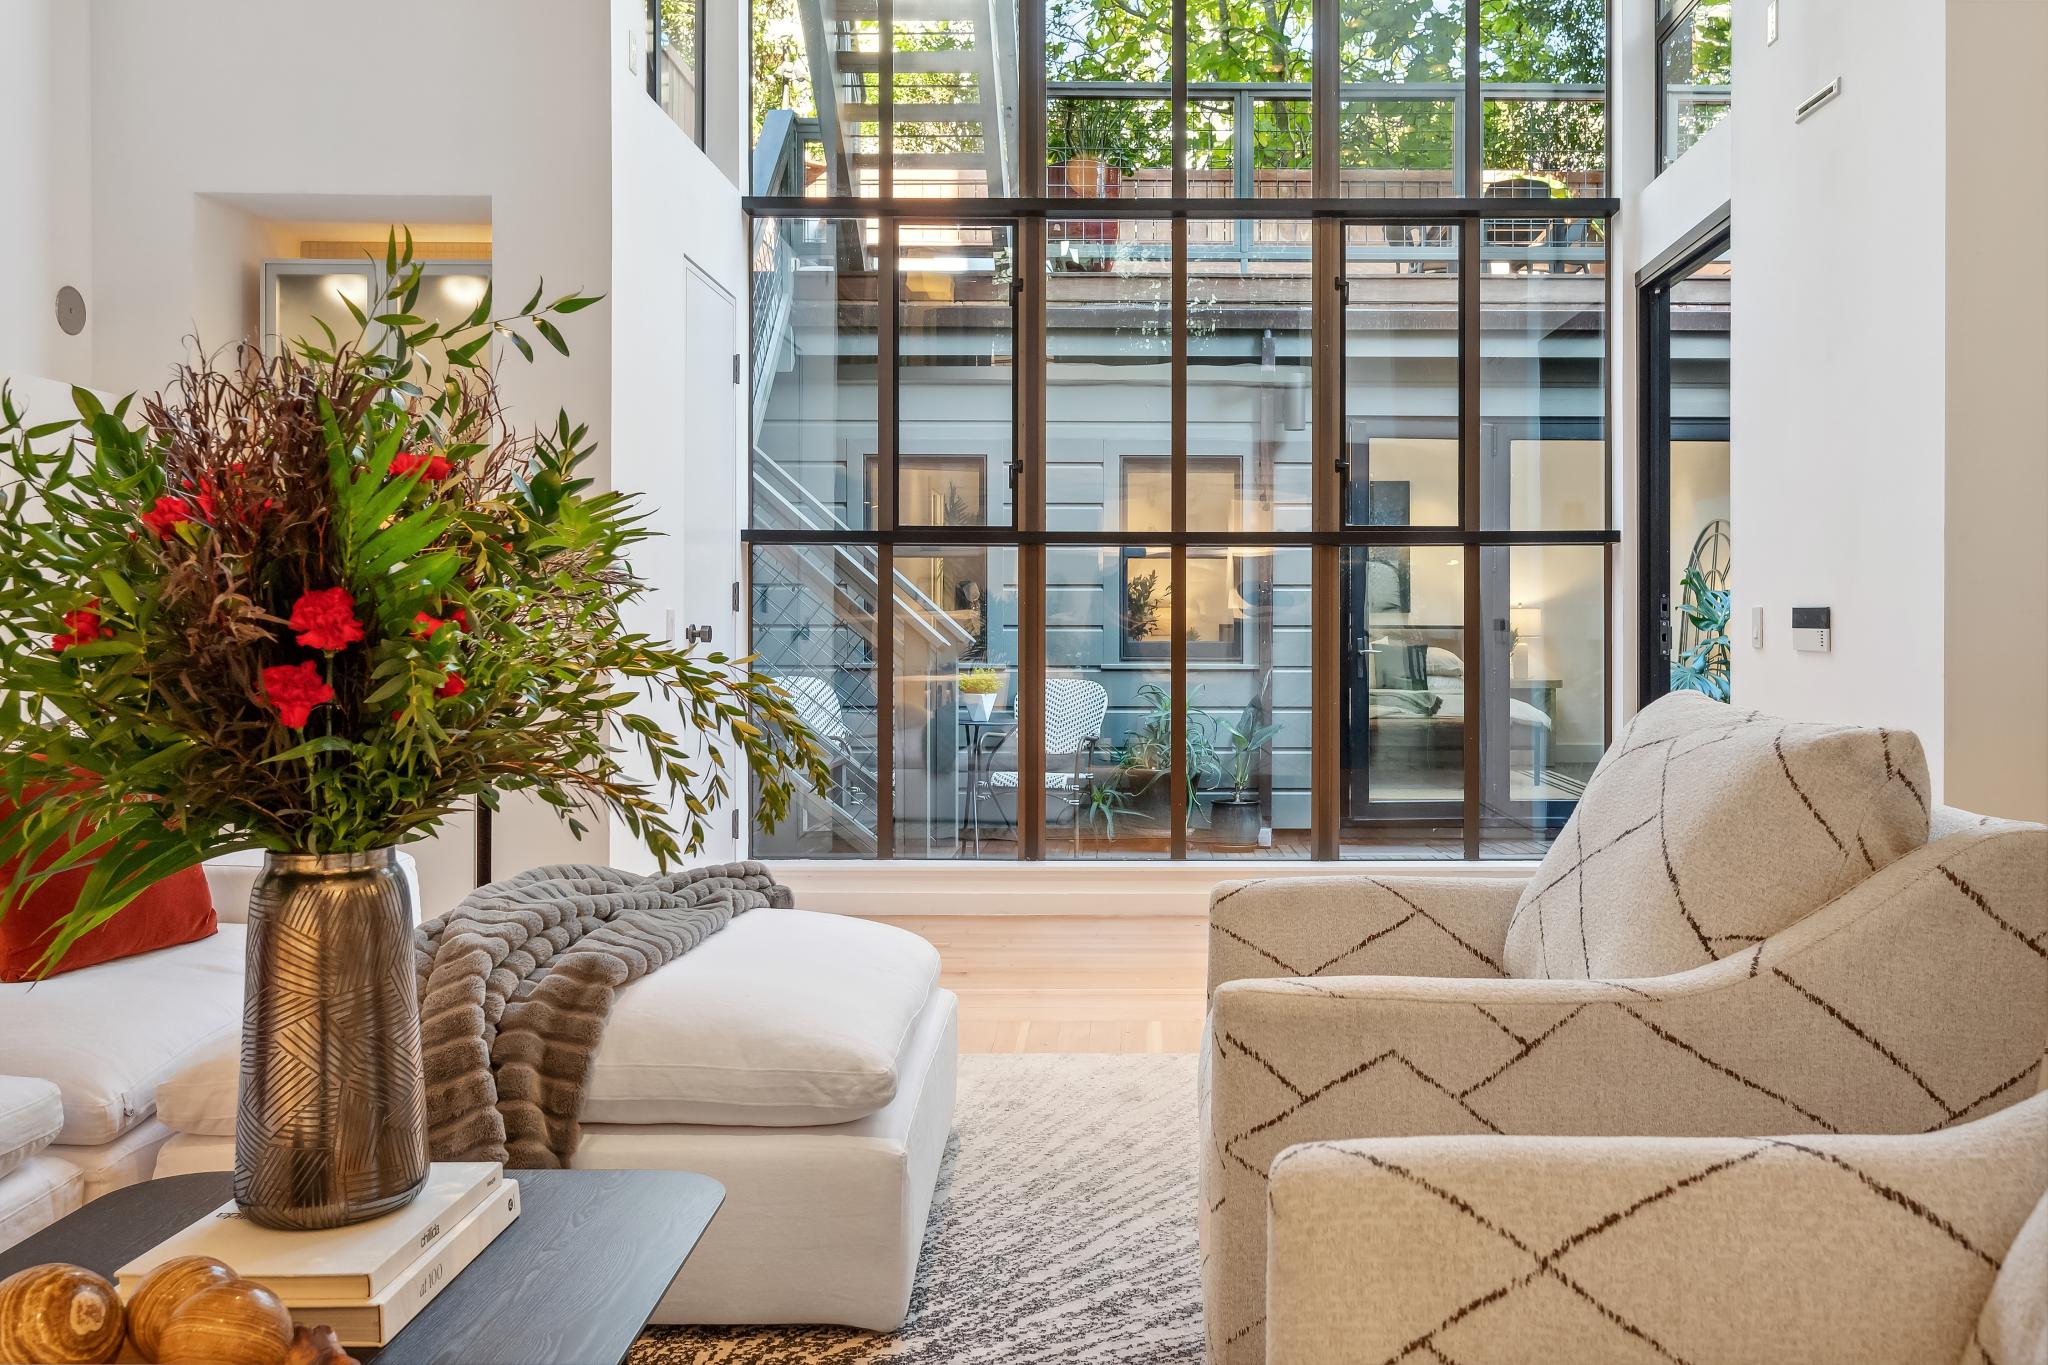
(1027, 214)
(655, 43)
(1667, 25)
(1653, 510)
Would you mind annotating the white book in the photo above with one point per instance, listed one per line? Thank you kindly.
(354, 1263)
(375, 1322)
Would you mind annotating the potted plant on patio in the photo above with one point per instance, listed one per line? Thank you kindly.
(1145, 757)
(312, 605)
(1235, 820)
(982, 686)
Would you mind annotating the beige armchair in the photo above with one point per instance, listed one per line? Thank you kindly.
(1802, 1250)
(1363, 1008)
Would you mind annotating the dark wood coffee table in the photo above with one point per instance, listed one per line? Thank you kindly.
(572, 1282)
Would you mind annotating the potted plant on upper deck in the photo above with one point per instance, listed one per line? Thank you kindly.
(311, 605)
(1235, 821)
(984, 686)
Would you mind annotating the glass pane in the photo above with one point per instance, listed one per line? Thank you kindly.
(675, 59)
(1401, 374)
(1248, 711)
(1108, 40)
(814, 370)
(956, 677)
(1542, 396)
(1105, 798)
(1545, 134)
(1108, 147)
(1405, 686)
(1700, 533)
(1282, 143)
(955, 301)
(955, 114)
(1696, 59)
(813, 627)
(1212, 150)
(1262, 136)
(1249, 351)
(1545, 657)
(303, 298)
(1109, 373)
(1397, 148)
(1546, 148)
(1250, 41)
(1401, 64)
(1402, 42)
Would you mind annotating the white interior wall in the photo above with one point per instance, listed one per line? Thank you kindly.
(45, 237)
(282, 116)
(1837, 404)
(671, 206)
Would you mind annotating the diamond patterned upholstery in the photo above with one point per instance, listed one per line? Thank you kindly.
(1914, 1001)
(1705, 830)
(1787, 1250)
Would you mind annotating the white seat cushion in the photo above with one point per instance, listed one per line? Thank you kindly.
(784, 1018)
(43, 1190)
(127, 1160)
(31, 1112)
(109, 1035)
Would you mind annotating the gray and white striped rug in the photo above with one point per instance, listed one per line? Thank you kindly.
(1063, 1230)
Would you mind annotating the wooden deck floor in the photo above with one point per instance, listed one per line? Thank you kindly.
(1070, 983)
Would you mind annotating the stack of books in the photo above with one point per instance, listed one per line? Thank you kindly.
(366, 1281)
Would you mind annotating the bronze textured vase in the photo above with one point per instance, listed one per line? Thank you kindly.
(330, 1127)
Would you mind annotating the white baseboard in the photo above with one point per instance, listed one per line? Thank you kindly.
(880, 888)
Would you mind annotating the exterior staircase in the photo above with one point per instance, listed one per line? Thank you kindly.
(955, 95)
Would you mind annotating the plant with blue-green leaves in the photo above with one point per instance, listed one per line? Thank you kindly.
(1705, 667)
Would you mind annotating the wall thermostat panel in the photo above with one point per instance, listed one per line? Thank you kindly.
(1812, 629)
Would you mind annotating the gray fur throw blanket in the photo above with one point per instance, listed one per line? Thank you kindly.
(517, 982)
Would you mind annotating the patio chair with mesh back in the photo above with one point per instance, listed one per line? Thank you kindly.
(1074, 711)
(852, 756)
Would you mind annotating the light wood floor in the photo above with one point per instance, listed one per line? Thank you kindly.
(1072, 984)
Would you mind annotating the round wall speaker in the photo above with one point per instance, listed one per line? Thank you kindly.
(70, 311)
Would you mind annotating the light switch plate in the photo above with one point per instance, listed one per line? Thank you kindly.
(1756, 627)
(1771, 23)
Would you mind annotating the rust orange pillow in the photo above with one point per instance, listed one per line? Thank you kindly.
(178, 909)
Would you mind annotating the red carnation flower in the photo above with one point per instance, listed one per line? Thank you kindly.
(295, 689)
(85, 626)
(326, 619)
(170, 511)
(424, 625)
(453, 686)
(433, 468)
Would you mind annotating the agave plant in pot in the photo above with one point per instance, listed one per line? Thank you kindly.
(1235, 820)
(312, 605)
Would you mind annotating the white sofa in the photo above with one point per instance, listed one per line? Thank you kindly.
(102, 1039)
(806, 1061)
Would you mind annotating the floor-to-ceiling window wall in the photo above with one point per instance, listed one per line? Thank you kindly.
(1178, 425)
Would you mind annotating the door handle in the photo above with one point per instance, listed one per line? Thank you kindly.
(696, 635)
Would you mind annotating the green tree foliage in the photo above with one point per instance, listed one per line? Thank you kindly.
(1269, 42)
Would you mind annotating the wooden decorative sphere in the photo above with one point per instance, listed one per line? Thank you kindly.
(235, 1323)
(59, 1315)
(160, 1293)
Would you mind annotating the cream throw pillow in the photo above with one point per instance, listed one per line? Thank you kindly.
(1707, 829)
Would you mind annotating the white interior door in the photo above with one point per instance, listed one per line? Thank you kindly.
(712, 509)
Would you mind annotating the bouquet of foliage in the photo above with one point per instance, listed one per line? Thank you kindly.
(312, 604)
